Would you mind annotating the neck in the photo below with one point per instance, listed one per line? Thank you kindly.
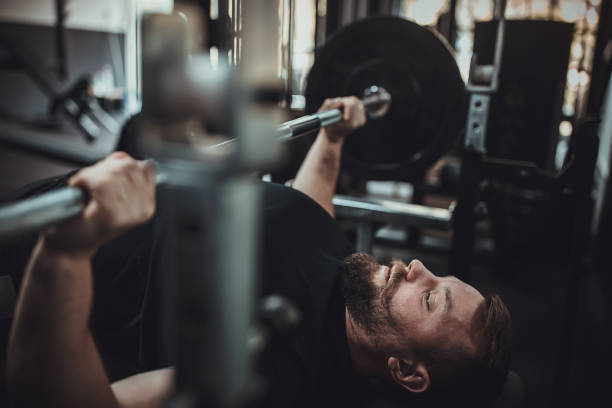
(366, 354)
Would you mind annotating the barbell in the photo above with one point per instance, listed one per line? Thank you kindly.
(375, 99)
(416, 66)
(34, 214)
(419, 99)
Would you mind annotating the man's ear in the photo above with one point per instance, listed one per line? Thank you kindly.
(411, 375)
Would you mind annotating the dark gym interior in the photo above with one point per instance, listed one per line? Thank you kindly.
(491, 164)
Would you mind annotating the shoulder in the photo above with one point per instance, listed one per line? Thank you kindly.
(295, 222)
(278, 195)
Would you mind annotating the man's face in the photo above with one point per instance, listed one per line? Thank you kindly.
(410, 306)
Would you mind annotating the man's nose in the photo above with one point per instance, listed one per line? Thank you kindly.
(418, 272)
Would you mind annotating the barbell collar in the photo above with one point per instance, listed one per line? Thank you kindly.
(376, 101)
(330, 117)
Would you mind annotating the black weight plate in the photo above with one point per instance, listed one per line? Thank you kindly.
(416, 67)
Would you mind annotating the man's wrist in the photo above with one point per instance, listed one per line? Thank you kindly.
(50, 265)
(55, 253)
(332, 137)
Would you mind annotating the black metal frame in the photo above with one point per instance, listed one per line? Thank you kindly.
(483, 82)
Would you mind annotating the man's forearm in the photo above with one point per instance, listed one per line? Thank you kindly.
(318, 174)
(52, 359)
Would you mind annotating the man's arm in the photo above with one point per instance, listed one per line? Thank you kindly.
(318, 173)
(52, 358)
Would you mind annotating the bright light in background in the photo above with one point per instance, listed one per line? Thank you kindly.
(577, 50)
(483, 9)
(465, 36)
(562, 149)
(464, 16)
(573, 78)
(540, 8)
(322, 8)
(589, 40)
(464, 52)
(425, 12)
(305, 30)
(516, 9)
(303, 45)
(572, 10)
(214, 10)
(214, 57)
(566, 128)
(155, 6)
(592, 17)
(583, 78)
(568, 109)
(464, 42)
(585, 13)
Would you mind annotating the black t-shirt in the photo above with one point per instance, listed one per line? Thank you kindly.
(301, 250)
(123, 317)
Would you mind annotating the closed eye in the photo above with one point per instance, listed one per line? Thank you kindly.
(427, 299)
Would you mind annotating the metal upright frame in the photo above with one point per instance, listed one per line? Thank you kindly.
(482, 83)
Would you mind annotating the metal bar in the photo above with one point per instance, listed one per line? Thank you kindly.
(37, 213)
(452, 24)
(31, 215)
(478, 115)
(392, 212)
(60, 40)
(52, 208)
(474, 150)
(500, 9)
(485, 78)
(289, 88)
(376, 101)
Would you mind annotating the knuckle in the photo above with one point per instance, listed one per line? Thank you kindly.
(100, 183)
(118, 155)
(130, 163)
(76, 179)
(126, 167)
(148, 169)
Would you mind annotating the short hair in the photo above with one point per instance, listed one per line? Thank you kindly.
(457, 374)
(496, 340)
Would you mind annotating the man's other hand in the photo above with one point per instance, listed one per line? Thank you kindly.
(121, 194)
(353, 116)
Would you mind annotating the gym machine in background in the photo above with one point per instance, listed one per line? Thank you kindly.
(483, 81)
(508, 170)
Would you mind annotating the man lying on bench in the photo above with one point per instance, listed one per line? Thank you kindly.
(413, 332)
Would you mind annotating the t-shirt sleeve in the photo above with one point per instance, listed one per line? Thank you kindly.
(298, 219)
